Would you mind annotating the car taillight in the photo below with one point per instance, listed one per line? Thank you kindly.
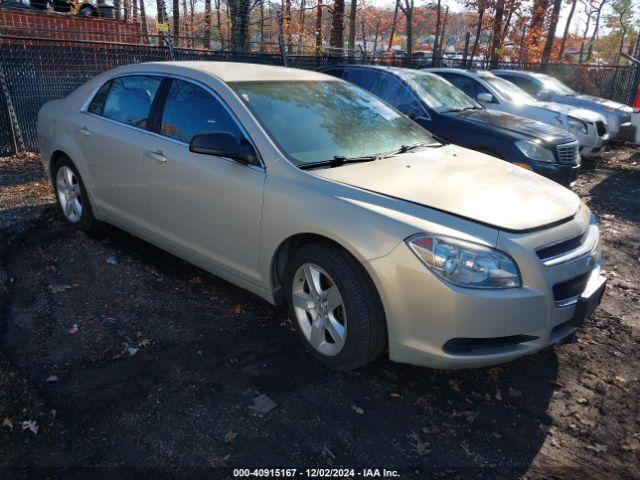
(636, 104)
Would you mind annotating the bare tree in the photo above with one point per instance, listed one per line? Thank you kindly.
(117, 9)
(352, 25)
(319, 8)
(563, 43)
(497, 33)
(551, 33)
(394, 25)
(143, 22)
(176, 18)
(595, 29)
(135, 11)
(207, 24)
(407, 8)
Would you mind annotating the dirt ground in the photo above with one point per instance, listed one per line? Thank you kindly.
(134, 364)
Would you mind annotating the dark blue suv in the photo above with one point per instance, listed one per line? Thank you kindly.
(451, 115)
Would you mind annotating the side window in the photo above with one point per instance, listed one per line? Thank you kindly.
(97, 104)
(466, 84)
(396, 93)
(362, 77)
(524, 83)
(191, 110)
(129, 99)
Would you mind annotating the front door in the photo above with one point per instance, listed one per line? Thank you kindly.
(206, 206)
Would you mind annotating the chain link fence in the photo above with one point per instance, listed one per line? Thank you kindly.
(37, 70)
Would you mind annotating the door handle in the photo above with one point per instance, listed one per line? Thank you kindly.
(158, 156)
(84, 131)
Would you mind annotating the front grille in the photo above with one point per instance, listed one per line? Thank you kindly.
(570, 288)
(568, 152)
(560, 248)
(601, 128)
(460, 346)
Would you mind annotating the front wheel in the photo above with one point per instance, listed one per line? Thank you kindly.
(334, 306)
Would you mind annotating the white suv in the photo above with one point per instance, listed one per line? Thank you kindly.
(496, 93)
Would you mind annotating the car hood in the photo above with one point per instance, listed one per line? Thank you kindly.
(518, 124)
(588, 100)
(464, 183)
(571, 110)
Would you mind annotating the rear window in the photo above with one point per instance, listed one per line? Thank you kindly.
(129, 99)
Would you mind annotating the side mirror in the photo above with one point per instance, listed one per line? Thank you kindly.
(223, 144)
(485, 97)
(544, 95)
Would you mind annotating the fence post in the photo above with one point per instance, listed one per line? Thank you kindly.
(16, 133)
(467, 38)
(167, 36)
(283, 50)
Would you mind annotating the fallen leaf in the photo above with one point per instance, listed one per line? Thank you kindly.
(499, 396)
(358, 410)
(7, 423)
(196, 280)
(515, 393)
(112, 261)
(52, 378)
(30, 425)
(454, 385)
(73, 329)
(230, 436)
(394, 395)
(132, 351)
(598, 448)
(621, 379)
(144, 343)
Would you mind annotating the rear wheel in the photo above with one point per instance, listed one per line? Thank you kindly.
(334, 306)
(73, 201)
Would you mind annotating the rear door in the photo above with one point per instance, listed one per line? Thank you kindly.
(207, 207)
(112, 134)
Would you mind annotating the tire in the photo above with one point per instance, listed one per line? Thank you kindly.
(360, 311)
(73, 203)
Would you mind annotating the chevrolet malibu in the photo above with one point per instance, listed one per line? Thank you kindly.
(310, 192)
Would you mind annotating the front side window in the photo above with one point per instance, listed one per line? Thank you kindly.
(524, 83)
(439, 94)
(556, 86)
(130, 98)
(395, 93)
(315, 121)
(466, 84)
(507, 90)
(191, 110)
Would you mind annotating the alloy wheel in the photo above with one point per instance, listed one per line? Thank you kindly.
(69, 194)
(319, 309)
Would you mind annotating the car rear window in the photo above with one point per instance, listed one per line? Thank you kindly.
(129, 99)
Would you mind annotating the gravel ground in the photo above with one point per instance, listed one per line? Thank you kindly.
(120, 361)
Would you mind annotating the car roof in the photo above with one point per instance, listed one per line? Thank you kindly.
(397, 70)
(229, 71)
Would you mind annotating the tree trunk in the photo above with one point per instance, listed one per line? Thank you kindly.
(538, 15)
(160, 12)
(409, 17)
(476, 40)
(624, 33)
(239, 13)
(176, 19)
(303, 15)
(286, 25)
(337, 27)
(207, 24)
(143, 22)
(565, 35)
(551, 34)
(443, 33)
(319, 27)
(219, 26)
(393, 25)
(436, 41)
(117, 7)
(262, 45)
(135, 11)
(352, 26)
(584, 35)
(595, 29)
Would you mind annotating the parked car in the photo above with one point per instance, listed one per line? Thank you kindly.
(450, 114)
(547, 88)
(307, 190)
(499, 94)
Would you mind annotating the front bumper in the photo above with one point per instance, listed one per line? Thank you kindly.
(564, 174)
(425, 314)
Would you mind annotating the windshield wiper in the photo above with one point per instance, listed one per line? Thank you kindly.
(406, 148)
(338, 160)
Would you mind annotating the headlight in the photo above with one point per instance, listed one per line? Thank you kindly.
(535, 151)
(466, 264)
(577, 124)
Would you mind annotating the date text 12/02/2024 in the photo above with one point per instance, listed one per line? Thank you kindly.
(316, 473)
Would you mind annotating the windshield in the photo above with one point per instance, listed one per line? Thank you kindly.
(507, 90)
(315, 121)
(556, 86)
(439, 94)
